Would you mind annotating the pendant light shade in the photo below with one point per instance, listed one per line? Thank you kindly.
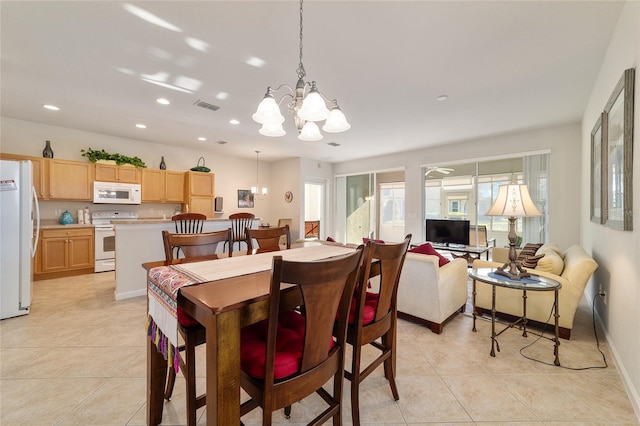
(310, 132)
(268, 111)
(336, 122)
(272, 129)
(313, 106)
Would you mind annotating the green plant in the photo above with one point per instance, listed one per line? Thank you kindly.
(94, 155)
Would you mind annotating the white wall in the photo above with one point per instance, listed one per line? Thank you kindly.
(232, 173)
(617, 252)
(564, 142)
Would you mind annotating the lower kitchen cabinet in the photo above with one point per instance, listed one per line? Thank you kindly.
(64, 252)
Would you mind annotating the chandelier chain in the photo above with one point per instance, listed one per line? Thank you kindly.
(301, 72)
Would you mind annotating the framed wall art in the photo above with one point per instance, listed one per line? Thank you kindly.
(618, 125)
(245, 198)
(597, 171)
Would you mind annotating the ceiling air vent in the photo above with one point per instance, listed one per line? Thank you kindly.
(207, 105)
(333, 144)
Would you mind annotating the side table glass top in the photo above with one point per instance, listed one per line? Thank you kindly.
(534, 283)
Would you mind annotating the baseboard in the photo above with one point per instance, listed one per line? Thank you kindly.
(131, 294)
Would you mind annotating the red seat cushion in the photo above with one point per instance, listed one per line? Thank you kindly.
(185, 319)
(427, 248)
(289, 343)
(369, 313)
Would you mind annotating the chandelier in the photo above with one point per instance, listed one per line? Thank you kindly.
(307, 104)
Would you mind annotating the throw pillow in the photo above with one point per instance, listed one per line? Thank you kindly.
(427, 248)
(551, 246)
(551, 262)
(529, 249)
(366, 240)
(531, 261)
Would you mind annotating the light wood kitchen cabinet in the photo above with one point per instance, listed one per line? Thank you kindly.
(64, 252)
(70, 180)
(200, 193)
(39, 172)
(162, 186)
(115, 173)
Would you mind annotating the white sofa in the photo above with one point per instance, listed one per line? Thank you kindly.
(574, 271)
(429, 294)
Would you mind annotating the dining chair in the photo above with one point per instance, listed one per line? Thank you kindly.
(281, 223)
(188, 223)
(267, 239)
(483, 240)
(293, 354)
(195, 247)
(374, 315)
(240, 221)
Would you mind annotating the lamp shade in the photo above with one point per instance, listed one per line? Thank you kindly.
(310, 132)
(313, 107)
(268, 112)
(513, 201)
(272, 129)
(336, 122)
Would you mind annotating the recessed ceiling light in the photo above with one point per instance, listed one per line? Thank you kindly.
(234, 121)
(442, 98)
(141, 126)
(256, 62)
(163, 101)
(51, 107)
(222, 96)
(201, 138)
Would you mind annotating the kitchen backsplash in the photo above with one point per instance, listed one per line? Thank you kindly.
(51, 210)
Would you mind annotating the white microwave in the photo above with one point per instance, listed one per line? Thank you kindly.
(116, 193)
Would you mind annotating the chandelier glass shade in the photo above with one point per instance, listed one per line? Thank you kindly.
(306, 103)
(255, 189)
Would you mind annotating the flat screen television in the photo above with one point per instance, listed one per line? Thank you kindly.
(443, 231)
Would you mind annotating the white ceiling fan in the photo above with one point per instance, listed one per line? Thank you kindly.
(442, 170)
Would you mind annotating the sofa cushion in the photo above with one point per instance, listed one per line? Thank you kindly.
(531, 261)
(427, 248)
(552, 246)
(529, 249)
(550, 262)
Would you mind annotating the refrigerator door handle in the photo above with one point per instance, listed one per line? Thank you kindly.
(37, 208)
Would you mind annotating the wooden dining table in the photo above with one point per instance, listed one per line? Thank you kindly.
(223, 307)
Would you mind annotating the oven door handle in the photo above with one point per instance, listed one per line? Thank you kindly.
(104, 228)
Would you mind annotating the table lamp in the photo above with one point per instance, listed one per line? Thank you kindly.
(513, 201)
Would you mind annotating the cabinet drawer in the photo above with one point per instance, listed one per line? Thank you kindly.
(60, 233)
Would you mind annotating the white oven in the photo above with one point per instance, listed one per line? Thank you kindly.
(116, 193)
(105, 237)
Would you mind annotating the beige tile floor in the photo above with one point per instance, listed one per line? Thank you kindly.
(79, 359)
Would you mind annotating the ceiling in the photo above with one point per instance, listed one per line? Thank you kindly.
(505, 66)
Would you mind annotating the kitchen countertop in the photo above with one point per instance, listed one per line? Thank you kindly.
(54, 224)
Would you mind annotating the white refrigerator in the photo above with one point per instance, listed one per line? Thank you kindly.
(18, 238)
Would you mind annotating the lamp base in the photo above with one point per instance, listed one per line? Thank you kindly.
(512, 270)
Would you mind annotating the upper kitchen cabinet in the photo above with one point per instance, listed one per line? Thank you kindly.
(115, 173)
(200, 193)
(70, 180)
(162, 186)
(39, 172)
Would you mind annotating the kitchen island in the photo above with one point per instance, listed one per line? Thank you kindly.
(140, 241)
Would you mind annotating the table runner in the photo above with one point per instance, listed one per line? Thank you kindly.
(164, 282)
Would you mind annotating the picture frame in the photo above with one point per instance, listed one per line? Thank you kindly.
(597, 172)
(245, 199)
(618, 154)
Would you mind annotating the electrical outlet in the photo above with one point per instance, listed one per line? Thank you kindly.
(602, 293)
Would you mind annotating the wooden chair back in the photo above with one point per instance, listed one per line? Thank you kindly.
(326, 288)
(281, 223)
(239, 222)
(384, 261)
(195, 245)
(267, 239)
(188, 223)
